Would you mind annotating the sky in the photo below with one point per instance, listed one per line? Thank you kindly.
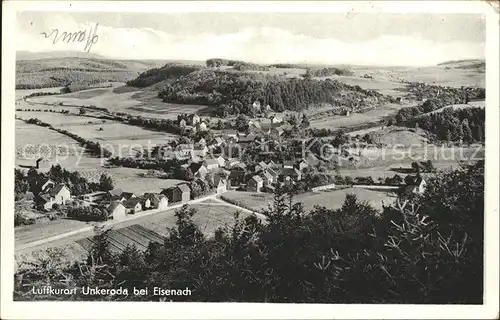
(330, 38)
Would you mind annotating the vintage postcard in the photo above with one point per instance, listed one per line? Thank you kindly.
(250, 160)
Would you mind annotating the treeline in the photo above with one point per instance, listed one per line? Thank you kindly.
(44, 110)
(165, 125)
(467, 124)
(39, 94)
(422, 91)
(425, 251)
(234, 93)
(236, 64)
(93, 148)
(172, 167)
(439, 97)
(169, 71)
(326, 72)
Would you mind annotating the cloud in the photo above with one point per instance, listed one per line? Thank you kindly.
(262, 45)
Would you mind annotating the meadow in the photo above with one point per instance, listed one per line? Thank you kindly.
(330, 199)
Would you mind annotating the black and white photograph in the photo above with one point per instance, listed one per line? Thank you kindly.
(272, 157)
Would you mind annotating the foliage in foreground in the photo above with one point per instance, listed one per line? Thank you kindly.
(424, 249)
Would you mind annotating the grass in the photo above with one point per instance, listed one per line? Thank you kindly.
(45, 229)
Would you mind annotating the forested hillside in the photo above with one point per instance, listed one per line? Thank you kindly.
(169, 71)
(234, 92)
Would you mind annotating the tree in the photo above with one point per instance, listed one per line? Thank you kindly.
(106, 183)
(82, 111)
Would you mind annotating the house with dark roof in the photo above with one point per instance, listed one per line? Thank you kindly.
(198, 169)
(57, 194)
(236, 177)
(290, 173)
(255, 184)
(274, 173)
(267, 178)
(116, 210)
(133, 205)
(418, 185)
(178, 193)
(46, 184)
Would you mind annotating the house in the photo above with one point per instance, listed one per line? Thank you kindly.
(292, 173)
(267, 108)
(182, 192)
(115, 192)
(184, 150)
(182, 123)
(236, 177)
(217, 141)
(302, 165)
(163, 203)
(273, 173)
(288, 164)
(202, 126)
(202, 142)
(146, 203)
(221, 186)
(275, 119)
(57, 194)
(47, 184)
(42, 163)
(193, 119)
(255, 184)
(94, 196)
(221, 161)
(231, 162)
(199, 150)
(116, 210)
(267, 178)
(150, 200)
(133, 205)
(418, 186)
(198, 169)
(212, 164)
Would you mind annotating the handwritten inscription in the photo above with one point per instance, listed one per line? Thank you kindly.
(89, 37)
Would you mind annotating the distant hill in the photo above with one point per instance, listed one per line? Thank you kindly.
(79, 71)
(475, 64)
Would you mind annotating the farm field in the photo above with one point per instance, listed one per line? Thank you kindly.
(355, 119)
(45, 229)
(137, 232)
(121, 139)
(330, 199)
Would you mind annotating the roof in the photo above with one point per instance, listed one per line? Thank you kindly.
(212, 161)
(288, 163)
(236, 173)
(290, 171)
(113, 205)
(185, 146)
(116, 192)
(266, 175)
(262, 164)
(55, 190)
(193, 115)
(130, 203)
(183, 188)
(256, 179)
(151, 196)
(195, 166)
(127, 195)
(95, 193)
(271, 172)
